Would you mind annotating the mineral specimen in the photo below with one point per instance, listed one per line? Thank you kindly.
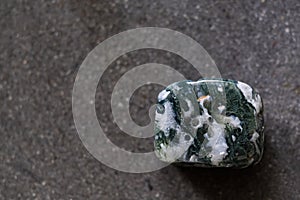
(209, 123)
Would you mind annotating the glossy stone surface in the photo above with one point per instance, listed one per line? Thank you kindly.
(209, 123)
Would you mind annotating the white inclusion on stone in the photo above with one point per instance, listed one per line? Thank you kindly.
(253, 139)
(234, 121)
(166, 120)
(247, 92)
(190, 110)
(221, 108)
(217, 142)
(176, 149)
(220, 89)
(204, 117)
(233, 138)
(193, 158)
(163, 95)
(215, 136)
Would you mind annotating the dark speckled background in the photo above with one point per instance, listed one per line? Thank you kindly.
(42, 44)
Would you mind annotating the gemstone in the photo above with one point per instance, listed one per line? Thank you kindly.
(209, 123)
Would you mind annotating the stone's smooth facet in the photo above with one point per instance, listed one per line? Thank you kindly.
(209, 123)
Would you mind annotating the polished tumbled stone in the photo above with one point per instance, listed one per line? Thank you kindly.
(209, 123)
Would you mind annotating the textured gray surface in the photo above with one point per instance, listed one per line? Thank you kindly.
(42, 46)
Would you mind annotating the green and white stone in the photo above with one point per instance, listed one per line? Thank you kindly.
(209, 123)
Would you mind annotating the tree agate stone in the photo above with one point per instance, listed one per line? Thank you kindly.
(209, 123)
